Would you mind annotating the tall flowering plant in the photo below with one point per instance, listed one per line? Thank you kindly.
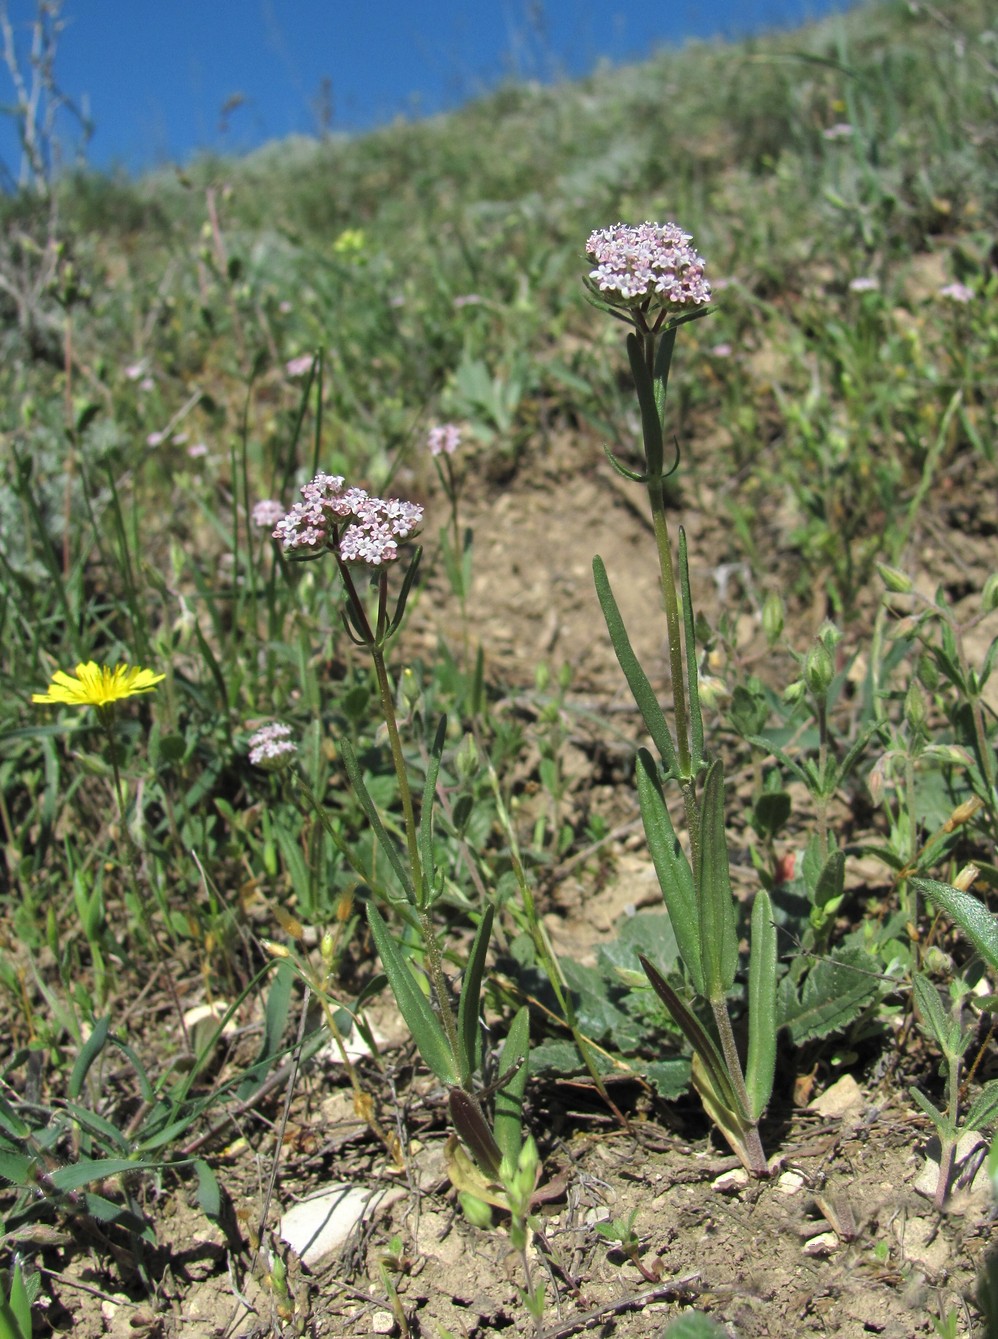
(365, 537)
(652, 279)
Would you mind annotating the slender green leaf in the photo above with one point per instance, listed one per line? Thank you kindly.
(426, 811)
(469, 1005)
(11, 1123)
(983, 1110)
(508, 1123)
(413, 1005)
(761, 1061)
(274, 1022)
(831, 880)
(696, 1034)
(209, 1194)
(941, 1121)
(971, 915)
(637, 680)
(718, 938)
(89, 1052)
(407, 584)
(935, 1021)
(651, 420)
(386, 843)
(689, 641)
(675, 877)
(88, 1170)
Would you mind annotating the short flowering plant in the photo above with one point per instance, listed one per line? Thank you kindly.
(361, 532)
(650, 277)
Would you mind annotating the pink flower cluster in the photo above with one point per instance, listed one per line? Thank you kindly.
(651, 260)
(272, 746)
(444, 439)
(347, 521)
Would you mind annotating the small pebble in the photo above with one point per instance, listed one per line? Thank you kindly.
(731, 1182)
(823, 1244)
(790, 1183)
(382, 1322)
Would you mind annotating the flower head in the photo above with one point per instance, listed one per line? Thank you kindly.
(98, 685)
(272, 747)
(266, 513)
(444, 439)
(300, 366)
(347, 521)
(957, 292)
(648, 265)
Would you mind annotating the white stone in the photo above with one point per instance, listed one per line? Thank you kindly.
(320, 1224)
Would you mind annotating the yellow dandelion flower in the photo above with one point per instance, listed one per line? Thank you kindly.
(98, 685)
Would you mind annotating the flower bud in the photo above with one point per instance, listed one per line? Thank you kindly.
(819, 671)
(773, 618)
(713, 691)
(966, 878)
(793, 692)
(327, 949)
(477, 1212)
(989, 595)
(914, 708)
(894, 580)
(928, 673)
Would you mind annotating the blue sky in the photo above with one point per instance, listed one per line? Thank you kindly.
(157, 74)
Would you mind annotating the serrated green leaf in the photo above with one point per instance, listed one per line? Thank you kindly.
(17, 1168)
(835, 992)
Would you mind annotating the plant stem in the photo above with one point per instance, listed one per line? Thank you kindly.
(750, 1130)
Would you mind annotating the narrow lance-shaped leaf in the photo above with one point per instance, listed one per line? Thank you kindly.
(651, 421)
(374, 818)
(637, 680)
(761, 1062)
(513, 1070)
(696, 1034)
(422, 1022)
(971, 915)
(934, 1018)
(426, 814)
(468, 1006)
(675, 877)
(718, 940)
(692, 674)
(407, 584)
